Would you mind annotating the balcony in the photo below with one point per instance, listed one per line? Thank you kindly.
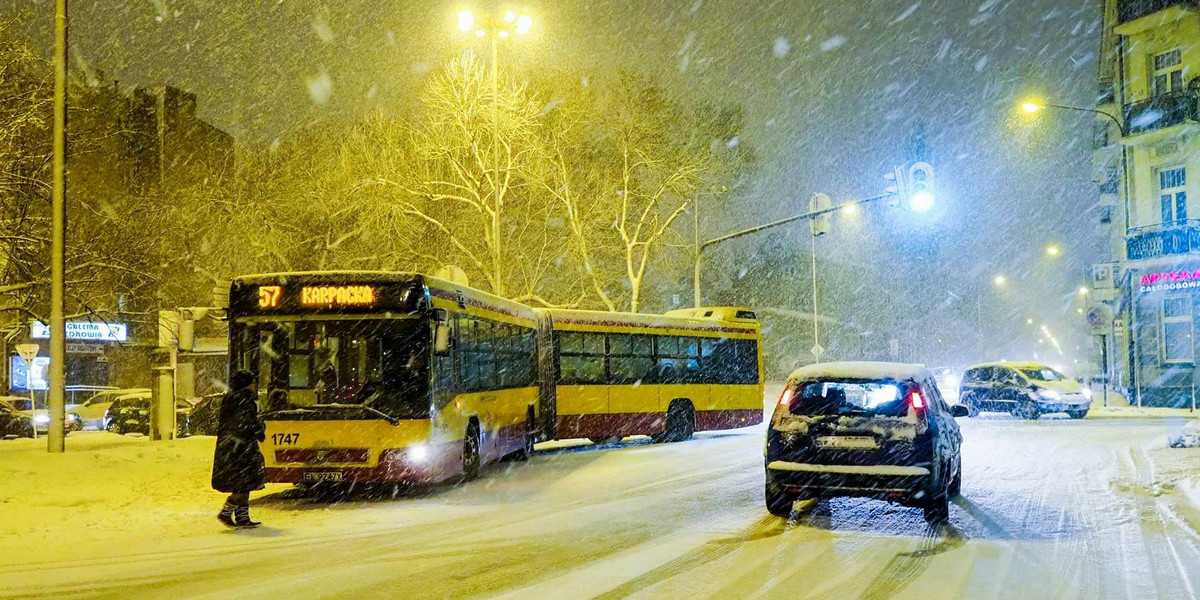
(1165, 239)
(1161, 112)
(1132, 10)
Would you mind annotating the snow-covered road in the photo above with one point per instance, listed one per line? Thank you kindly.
(1050, 509)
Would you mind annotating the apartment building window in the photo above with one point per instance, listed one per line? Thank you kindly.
(1172, 192)
(1177, 344)
(1168, 72)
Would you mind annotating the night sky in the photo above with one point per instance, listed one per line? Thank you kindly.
(834, 92)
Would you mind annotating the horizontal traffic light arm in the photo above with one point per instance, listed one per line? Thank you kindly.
(808, 215)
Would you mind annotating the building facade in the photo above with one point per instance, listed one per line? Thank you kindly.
(1147, 165)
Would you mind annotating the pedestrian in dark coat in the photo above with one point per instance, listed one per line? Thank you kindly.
(238, 462)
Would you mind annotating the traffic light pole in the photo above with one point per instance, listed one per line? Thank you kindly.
(701, 246)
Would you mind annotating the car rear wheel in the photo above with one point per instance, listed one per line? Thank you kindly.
(779, 501)
(1077, 414)
(956, 484)
(937, 498)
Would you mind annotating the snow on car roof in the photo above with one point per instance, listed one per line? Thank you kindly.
(859, 370)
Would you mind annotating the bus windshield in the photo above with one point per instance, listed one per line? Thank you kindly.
(380, 364)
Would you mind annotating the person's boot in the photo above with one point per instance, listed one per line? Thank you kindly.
(242, 518)
(226, 516)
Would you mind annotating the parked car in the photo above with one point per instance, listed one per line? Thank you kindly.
(865, 429)
(1027, 390)
(13, 423)
(131, 414)
(203, 417)
(92, 412)
(78, 394)
(38, 417)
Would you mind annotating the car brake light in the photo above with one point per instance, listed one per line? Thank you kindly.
(785, 399)
(917, 400)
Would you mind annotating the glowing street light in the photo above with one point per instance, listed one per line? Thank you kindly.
(999, 280)
(1083, 290)
(466, 21)
(1053, 250)
(1031, 107)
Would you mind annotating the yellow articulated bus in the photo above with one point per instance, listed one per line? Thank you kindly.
(379, 377)
(666, 376)
(385, 377)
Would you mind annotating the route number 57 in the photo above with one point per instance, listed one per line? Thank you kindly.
(268, 296)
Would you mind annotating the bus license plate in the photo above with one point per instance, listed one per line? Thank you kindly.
(847, 442)
(318, 477)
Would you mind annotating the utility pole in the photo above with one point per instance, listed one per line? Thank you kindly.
(499, 285)
(55, 442)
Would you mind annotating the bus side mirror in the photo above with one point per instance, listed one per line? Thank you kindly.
(441, 332)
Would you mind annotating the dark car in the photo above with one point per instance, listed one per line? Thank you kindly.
(132, 415)
(874, 430)
(203, 417)
(1027, 390)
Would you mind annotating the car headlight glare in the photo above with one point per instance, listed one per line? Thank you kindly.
(418, 454)
(1050, 395)
(41, 419)
(1087, 393)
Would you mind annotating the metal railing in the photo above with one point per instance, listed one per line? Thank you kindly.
(1129, 10)
(1164, 110)
(1163, 239)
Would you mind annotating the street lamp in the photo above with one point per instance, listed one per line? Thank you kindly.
(1053, 250)
(999, 280)
(504, 27)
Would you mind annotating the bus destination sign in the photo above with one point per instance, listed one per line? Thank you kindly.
(329, 296)
(326, 297)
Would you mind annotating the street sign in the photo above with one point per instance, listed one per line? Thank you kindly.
(1100, 318)
(27, 352)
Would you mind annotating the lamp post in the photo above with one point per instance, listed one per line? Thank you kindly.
(507, 25)
(1031, 107)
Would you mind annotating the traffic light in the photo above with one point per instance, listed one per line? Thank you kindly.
(920, 196)
(820, 224)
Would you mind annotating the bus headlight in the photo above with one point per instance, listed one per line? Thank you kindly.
(418, 454)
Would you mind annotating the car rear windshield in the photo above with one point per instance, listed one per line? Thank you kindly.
(849, 397)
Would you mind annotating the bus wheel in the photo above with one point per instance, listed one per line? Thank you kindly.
(470, 456)
(681, 422)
